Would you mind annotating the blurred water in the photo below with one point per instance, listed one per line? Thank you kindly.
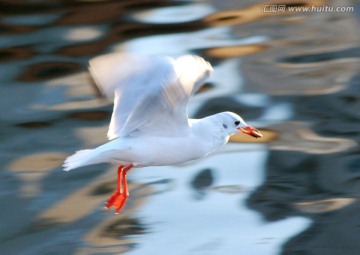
(293, 75)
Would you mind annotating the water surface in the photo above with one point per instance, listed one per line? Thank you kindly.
(293, 75)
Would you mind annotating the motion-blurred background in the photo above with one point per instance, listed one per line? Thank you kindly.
(291, 68)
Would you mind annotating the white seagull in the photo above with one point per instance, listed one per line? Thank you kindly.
(149, 124)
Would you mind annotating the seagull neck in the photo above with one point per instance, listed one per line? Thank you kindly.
(209, 129)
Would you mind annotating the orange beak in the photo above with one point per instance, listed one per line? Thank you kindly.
(249, 130)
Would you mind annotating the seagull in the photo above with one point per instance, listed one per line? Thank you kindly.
(149, 125)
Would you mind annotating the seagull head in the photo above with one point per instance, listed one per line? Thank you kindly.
(233, 123)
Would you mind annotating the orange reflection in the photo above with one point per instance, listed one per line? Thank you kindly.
(325, 205)
(296, 136)
(234, 51)
(30, 169)
(75, 206)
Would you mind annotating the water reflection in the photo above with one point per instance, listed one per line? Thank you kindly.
(294, 75)
(324, 205)
(201, 181)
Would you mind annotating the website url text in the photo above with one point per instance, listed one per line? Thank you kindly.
(313, 8)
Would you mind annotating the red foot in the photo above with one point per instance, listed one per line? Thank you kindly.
(121, 193)
(118, 200)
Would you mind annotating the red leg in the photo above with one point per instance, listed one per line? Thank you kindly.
(123, 189)
(120, 179)
(112, 199)
(121, 193)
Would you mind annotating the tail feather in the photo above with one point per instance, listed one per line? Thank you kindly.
(80, 158)
(109, 152)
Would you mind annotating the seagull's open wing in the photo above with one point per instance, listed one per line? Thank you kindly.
(150, 93)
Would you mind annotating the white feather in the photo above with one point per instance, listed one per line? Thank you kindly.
(144, 86)
(78, 159)
(108, 152)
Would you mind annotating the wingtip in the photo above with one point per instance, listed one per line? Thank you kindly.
(94, 85)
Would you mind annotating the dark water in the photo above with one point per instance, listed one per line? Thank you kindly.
(294, 75)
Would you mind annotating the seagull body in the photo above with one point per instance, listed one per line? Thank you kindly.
(149, 124)
(201, 138)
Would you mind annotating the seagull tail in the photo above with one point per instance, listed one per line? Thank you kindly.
(80, 158)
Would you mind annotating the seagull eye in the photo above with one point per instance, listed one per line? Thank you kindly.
(237, 122)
